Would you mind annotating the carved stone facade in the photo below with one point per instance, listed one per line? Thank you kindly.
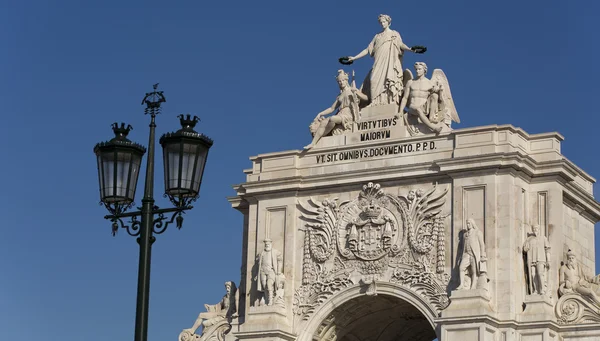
(390, 225)
(363, 234)
(348, 249)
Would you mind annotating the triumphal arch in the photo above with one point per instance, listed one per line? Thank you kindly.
(391, 224)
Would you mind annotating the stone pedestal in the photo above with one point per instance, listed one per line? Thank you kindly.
(537, 308)
(469, 303)
(265, 321)
(476, 331)
(271, 313)
(468, 317)
(379, 111)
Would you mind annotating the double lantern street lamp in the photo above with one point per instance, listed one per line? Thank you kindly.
(119, 160)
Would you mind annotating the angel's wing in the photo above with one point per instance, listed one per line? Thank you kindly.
(406, 76)
(438, 76)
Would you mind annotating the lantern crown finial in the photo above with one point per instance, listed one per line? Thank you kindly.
(187, 122)
(122, 131)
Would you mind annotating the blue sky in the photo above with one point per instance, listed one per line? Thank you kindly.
(256, 72)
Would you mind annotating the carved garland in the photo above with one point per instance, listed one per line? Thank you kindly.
(440, 233)
(308, 269)
(425, 284)
(308, 297)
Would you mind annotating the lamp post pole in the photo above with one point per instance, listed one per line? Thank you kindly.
(145, 240)
(119, 161)
(153, 101)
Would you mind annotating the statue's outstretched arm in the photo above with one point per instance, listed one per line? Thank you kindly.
(360, 55)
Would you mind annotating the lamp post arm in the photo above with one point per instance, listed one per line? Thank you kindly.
(139, 213)
(133, 229)
(160, 226)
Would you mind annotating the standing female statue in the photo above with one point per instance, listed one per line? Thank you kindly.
(383, 84)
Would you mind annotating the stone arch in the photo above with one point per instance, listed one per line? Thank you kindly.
(384, 289)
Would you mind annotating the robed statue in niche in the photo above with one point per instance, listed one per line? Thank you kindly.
(537, 254)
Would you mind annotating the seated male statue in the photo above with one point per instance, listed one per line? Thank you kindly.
(422, 97)
(573, 280)
(216, 313)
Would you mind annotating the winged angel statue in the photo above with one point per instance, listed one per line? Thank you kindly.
(375, 236)
(428, 99)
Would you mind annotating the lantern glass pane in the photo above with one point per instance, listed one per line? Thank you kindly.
(172, 151)
(100, 174)
(136, 160)
(188, 158)
(184, 165)
(200, 162)
(118, 172)
(122, 176)
(166, 166)
(108, 167)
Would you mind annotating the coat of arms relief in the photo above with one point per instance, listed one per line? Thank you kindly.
(376, 237)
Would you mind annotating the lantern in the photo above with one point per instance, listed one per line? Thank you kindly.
(118, 167)
(185, 153)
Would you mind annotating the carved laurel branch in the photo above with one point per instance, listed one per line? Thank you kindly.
(425, 284)
(574, 308)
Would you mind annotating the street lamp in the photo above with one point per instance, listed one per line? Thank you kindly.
(184, 152)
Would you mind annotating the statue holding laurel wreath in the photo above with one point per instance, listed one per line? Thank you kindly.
(384, 84)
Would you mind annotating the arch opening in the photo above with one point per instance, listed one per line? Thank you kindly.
(375, 318)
